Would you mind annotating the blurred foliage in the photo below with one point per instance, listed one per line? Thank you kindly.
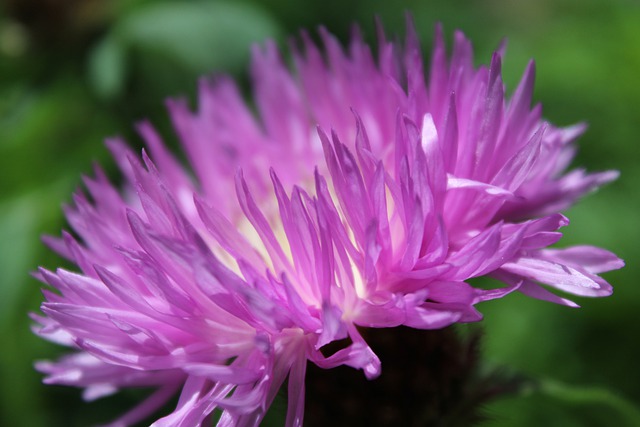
(75, 71)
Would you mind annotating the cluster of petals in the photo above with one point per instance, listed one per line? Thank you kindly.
(363, 193)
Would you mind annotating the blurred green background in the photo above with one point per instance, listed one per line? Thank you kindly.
(75, 71)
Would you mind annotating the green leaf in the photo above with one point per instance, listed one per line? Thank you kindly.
(201, 35)
(107, 68)
(18, 239)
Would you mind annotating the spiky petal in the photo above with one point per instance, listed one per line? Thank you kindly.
(363, 195)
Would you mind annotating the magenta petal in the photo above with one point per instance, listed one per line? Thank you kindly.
(451, 292)
(146, 407)
(390, 314)
(188, 412)
(333, 328)
(460, 183)
(225, 233)
(295, 409)
(536, 291)
(357, 355)
(515, 171)
(559, 276)
(430, 316)
(594, 260)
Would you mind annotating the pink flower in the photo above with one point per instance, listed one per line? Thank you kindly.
(363, 195)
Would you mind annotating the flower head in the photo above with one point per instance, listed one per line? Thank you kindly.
(364, 194)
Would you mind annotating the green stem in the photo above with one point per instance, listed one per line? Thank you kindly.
(589, 395)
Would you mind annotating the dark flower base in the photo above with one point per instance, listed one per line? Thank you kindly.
(429, 378)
